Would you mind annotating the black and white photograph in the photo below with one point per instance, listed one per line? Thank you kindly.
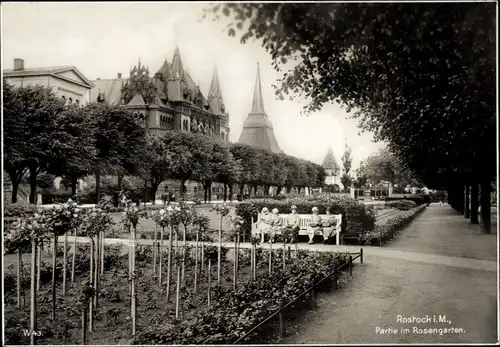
(250, 173)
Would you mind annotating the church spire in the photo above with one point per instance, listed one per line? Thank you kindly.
(177, 70)
(258, 101)
(214, 91)
(215, 95)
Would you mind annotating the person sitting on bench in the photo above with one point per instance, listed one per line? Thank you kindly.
(329, 226)
(276, 224)
(292, 227)
(315, 225)
(264, 224)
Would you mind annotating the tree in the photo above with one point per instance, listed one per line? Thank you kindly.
(361, 177)
(119, 141)
(420, 76)
(158, 165)
(38, 135)
(346, 179)
(246, 157)
(189, 154)
(75, 134)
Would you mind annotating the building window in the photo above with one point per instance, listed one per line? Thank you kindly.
(70, 101)
(64, 99)
(77, 102)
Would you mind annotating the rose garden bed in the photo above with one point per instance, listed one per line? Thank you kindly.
(232, 312)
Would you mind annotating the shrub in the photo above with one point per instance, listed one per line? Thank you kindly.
(383, 233)
(356, 217)
(55, 197)
(418, 199)
(403, 205)
(19, 209)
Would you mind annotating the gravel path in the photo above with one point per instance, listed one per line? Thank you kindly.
(440, 265)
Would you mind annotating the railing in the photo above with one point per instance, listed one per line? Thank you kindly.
(312, 290)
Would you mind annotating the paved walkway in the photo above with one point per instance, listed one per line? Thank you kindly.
(440, 265)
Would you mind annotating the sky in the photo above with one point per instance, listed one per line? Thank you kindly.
(103, 39)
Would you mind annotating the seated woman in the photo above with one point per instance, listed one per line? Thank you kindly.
(315, 225)
(276, 224)
(264, 224)
(292, 228)
(329, 226)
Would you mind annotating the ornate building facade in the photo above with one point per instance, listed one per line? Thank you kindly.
(168, 99)
(332, 169)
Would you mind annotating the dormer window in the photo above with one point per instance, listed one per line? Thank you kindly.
(77, 102)
(64, 99)
(70, 101)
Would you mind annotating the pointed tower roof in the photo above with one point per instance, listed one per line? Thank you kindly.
(330, 162)
(257, 128)
(258, 101)
(215, 91)
(177, 70)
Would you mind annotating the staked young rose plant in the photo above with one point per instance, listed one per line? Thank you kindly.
(222, 209)
(63, 218)
(95, 221)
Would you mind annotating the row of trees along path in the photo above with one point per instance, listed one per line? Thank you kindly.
(421, 77)
(42, 135)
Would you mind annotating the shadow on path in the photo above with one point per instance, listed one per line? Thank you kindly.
(438, 266)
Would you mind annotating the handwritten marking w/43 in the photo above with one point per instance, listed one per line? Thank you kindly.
(28, 332)
(440, 318)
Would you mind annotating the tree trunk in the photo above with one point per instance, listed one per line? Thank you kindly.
(91, 275)
(97, 191)
(155, 248)
(177, 296)
(278, 190)
(474, 203)
(230, 192)
(74, 183)
(225, 192)
(15, 187)
(184, 253)
(486, 206)
(210, 192)
(38, 266)
(154, 189)
(205, 193)
(32, 179)
(288, 190)
(96, 270)
(467, 202)
(182, 189)
(460, 199)
(33, 299)
(242, 189)
(54, 253)
(298, 190)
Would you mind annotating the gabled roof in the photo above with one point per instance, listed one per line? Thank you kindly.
(330, 162)
(111, 88)
(137, 100)
(55, 71)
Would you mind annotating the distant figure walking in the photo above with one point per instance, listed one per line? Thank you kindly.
(440, 203)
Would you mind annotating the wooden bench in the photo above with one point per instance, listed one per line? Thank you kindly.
(303, 224)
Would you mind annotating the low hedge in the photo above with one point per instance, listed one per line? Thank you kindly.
(356, 217)
(402, 205)
(235, 311)
(418, 199)
(19, 209)
(383, 233)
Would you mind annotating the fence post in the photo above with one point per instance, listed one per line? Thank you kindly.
(350, 265)
(335, 284)
(84, 325)
(361, 255)
(282, 321)
(313, 298)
